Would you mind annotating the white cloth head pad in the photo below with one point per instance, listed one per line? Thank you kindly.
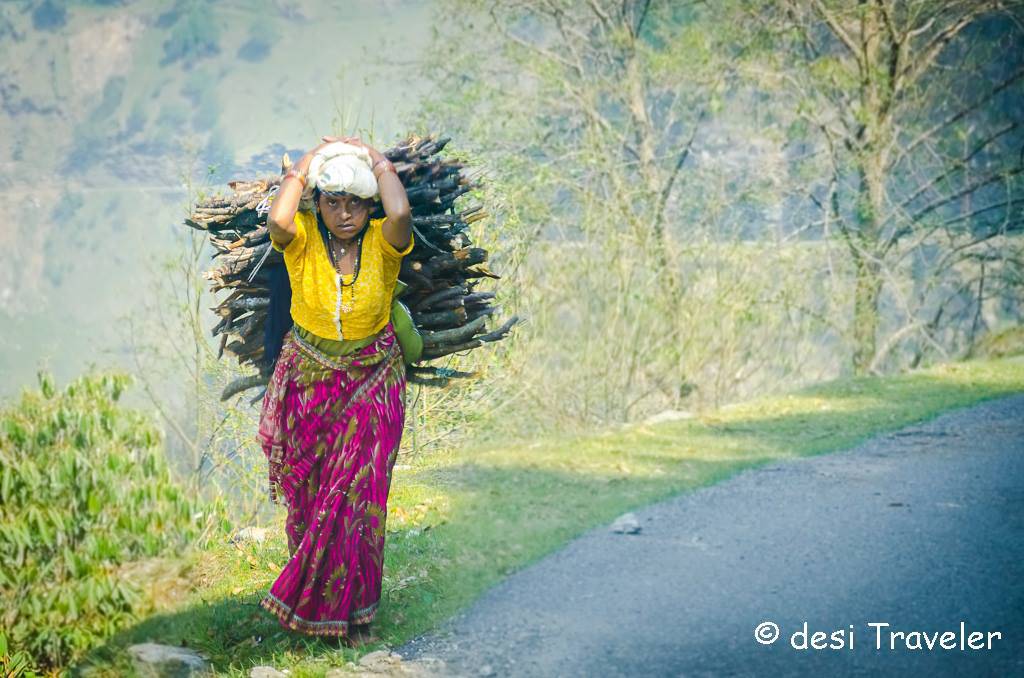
(344, 167)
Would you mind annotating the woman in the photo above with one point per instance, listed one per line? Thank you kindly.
(333, 413)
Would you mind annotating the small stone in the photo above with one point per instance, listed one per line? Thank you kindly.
(381, 661)
(153, 660)
(626, 524)
(486, 670)
(265, 672)
(668, 415)
(256, 534)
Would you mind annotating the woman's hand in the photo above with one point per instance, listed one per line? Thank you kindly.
(326, 142)
(375, 155)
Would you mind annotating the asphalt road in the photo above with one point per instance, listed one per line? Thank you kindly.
(921, 529)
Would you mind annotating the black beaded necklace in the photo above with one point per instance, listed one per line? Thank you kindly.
(328, 238)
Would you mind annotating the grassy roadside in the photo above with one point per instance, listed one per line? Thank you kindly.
(458, 524)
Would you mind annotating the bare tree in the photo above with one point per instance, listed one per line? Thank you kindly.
(591, 111)
(917, 104)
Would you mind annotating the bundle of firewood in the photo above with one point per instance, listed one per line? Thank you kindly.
(441, 272)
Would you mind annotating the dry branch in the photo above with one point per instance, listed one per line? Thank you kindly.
(440, 272)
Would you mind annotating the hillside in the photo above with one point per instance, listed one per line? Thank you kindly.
(111, 108)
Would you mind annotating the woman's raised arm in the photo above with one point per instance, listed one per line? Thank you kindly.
(281, 218)
(398, 226)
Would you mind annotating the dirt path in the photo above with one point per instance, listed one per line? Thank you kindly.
(922, 529)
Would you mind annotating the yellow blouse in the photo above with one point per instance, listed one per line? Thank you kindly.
(319, 300)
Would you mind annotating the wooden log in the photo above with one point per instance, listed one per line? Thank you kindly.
(440, 295)
(453, 336)
(468, 256)
(205, 212)
(477, 298)
(451, 197)
(422, 196)
(435, 219)
(481, 272)
(441, 319)
(252, 356)
(479, 312)
(442, 372)
(441, 351)
(243, 285)
(423, 380)
(431, 376)
(247, 329)
(501, 331)
(223, 326)
(251, 238)
(424, 240)
(258, 396)
(413, 277)
(440, 273)
(249, 303)
(239, 385)
(446, 304)
(242, 349)
(458, 241)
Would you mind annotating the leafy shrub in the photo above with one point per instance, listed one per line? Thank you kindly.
(84, 491)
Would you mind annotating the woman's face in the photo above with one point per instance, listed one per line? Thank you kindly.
(344, 215)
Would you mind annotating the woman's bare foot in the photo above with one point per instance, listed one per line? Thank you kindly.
(359, 635)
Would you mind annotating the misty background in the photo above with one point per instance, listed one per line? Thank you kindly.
(110, 109)
(690, 203)
(735, 231)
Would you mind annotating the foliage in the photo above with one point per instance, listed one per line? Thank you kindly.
(622, 213)
(684, 202)
(912, 115)
(84, 491)
(212, 441)
(459, 523)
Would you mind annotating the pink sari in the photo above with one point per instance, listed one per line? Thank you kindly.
(331, 428)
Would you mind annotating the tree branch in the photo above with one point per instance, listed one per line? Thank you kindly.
(838, 31)
(927, 134)
(683, 154)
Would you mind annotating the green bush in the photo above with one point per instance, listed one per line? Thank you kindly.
(84, 490)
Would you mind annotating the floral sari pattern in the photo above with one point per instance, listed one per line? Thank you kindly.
(330, 428)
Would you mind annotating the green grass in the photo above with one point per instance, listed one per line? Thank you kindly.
(460, 523)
